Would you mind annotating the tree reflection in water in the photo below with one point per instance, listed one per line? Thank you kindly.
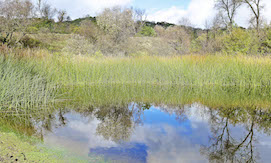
(117, 123)
(223, 145)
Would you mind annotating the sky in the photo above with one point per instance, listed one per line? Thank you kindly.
(197, 11)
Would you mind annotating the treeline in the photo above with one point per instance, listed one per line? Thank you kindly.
(125, 31)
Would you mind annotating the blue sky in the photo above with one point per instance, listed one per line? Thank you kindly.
(197, 11)
(160, 4)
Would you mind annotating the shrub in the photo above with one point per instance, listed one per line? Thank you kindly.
(78, 45)
(147, 31)
(240, 41)
(89, 30)
(210, 43)
(266, 44)
(30, 42)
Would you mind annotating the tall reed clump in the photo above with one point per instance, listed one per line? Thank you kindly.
(21, 86)
(188, 70)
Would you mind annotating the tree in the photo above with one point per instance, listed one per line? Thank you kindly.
(219, 21)
(48, 12)
(15, 16)
(140, 18)
(185, 22)
(229, 7)
(256, 8)
(89, 30)
(117, 23)
(62, 15)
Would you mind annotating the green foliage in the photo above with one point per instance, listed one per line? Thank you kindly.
(147, 31)
(98, 54)
(30, 42)
(240, 41)
(32, 29)
(266, 44)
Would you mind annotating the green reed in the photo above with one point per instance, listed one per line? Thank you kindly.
(30, 81)
(21, 86)
(173, 95)
(186, 70)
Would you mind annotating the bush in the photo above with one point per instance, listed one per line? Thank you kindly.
(30, 42)
(78, 45)
(240, 41)
(266, 44)
(89, 30)
(210, 43)
(147, 31)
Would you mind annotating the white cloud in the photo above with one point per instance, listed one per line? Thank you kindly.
(200, 10)
(197, 11)
(79, 8)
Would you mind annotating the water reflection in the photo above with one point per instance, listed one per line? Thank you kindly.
(228, 145)
(143, 132)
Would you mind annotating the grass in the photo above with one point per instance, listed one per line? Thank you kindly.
(21, 86)
(189, 70)
(15, 149)
(31, 79)
(158, 95)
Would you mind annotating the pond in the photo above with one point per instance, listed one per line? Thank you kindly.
(155, 131)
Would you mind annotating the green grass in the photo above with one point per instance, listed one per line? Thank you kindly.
(187, 70)
(122, 95)
(21, 86)
(15, 149)
(31, 81)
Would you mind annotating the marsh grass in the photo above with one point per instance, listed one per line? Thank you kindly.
(159, 95)
(21, 86)
(31, 80)
(189, 70)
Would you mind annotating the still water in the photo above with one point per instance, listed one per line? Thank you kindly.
(154, 124)
(148, 133)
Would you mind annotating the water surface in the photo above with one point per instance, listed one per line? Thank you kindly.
(146, 133)
(155, 124)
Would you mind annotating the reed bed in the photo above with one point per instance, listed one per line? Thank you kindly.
(21, 86)
(30, 81)
(189, 70)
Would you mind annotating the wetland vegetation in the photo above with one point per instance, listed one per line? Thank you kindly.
(118, 88)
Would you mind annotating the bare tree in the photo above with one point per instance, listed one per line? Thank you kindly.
(229, 7)
(39, 4)
(219, 21)
(117, 23)
(185, 22)
(48, 12)
(89, 30)
(62, 15)
(140, 17)
(256, 8)
(45, 10)
(15, 16)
